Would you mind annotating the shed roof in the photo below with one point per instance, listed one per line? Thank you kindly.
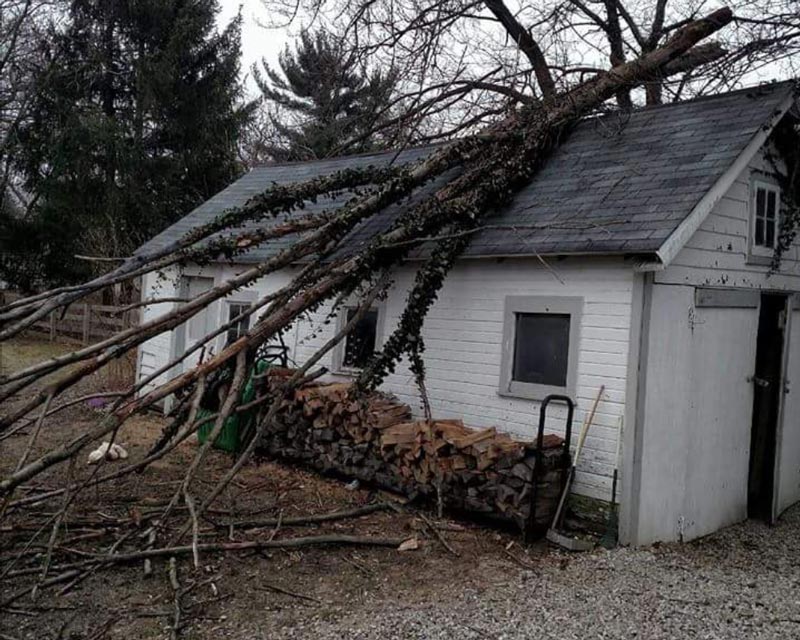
(619, 184)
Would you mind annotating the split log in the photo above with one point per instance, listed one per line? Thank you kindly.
(374, 439)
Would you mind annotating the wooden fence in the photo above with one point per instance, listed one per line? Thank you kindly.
(85, 322)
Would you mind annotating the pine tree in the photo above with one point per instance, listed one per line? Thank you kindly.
(321, 99)
(137, 125)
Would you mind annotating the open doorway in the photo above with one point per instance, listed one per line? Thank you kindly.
(767, 396)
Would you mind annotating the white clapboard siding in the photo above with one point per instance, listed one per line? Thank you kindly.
(155, 353)
(463, 335)
(716, 255)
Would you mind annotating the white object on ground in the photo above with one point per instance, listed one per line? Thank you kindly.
(108, 451)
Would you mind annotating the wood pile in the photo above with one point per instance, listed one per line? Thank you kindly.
(376, 440)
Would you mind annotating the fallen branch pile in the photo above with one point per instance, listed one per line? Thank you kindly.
(78, 558)
(373, 439)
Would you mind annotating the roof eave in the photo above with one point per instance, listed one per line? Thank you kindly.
(686, 229)
(647, 266)
(644, 260)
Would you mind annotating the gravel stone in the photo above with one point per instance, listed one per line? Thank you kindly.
(743, 582)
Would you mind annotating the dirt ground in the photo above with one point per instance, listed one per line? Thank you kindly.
(743, 582)
(247, 586)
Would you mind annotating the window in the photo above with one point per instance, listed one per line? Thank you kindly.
(765, 219)
(357, 348)
(240, 328)
(540, 346)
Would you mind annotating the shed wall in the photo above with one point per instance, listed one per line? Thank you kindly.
(463, 336)
(716, 255)
(697, 413)
(155, 353)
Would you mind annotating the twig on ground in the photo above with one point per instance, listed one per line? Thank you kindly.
(358, 565)
(176, 598)
(37, 429)
(301, 596)
(57, 523)
(103, 629)
(525, 565)
(277, 526)
(313, 519)
(438, 534)
(195, 527)
(151, 542)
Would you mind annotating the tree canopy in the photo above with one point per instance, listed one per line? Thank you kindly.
(136, 125)
(322, 98)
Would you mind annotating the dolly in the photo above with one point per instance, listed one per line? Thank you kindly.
(531, 528)
(554, 533)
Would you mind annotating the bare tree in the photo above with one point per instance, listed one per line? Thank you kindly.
(466, 62)
(763, 38)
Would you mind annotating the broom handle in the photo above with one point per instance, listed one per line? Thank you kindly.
(587, 423)
(581, 438)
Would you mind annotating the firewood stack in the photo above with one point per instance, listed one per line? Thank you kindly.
(376, 440)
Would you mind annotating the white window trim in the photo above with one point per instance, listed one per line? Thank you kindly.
(240, 297)
(573, 306)
(341, 321)
(757, 254)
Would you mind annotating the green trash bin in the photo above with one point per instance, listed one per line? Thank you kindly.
(229, 438)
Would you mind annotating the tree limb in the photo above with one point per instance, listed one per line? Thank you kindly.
(527, 45)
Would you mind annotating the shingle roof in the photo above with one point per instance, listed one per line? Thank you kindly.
(618, 184)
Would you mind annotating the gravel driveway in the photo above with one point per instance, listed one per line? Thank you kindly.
(741, 583)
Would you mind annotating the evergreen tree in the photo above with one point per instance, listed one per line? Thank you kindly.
(137, 125)
(321, 99)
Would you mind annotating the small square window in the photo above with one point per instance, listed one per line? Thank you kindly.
(361, 343)
(765, 219)
(237, 330)
(540, 347)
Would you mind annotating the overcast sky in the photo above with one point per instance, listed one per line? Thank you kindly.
(257, 42)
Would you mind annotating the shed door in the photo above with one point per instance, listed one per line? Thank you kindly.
(719, 415)
(197, 327)
(788, 468)
(768, 383)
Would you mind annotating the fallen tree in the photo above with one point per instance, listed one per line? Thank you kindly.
(473, 175)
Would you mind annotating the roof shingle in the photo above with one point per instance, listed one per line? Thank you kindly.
(618, 184)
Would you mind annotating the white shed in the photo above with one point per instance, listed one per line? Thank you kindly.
(652, 278)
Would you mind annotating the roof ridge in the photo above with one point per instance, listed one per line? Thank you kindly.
(363, 154)
(770, 86)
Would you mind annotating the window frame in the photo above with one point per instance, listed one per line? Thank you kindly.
(241, 298)
(337, 366)
(556, 305)
(228, 305)
(759, 254)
